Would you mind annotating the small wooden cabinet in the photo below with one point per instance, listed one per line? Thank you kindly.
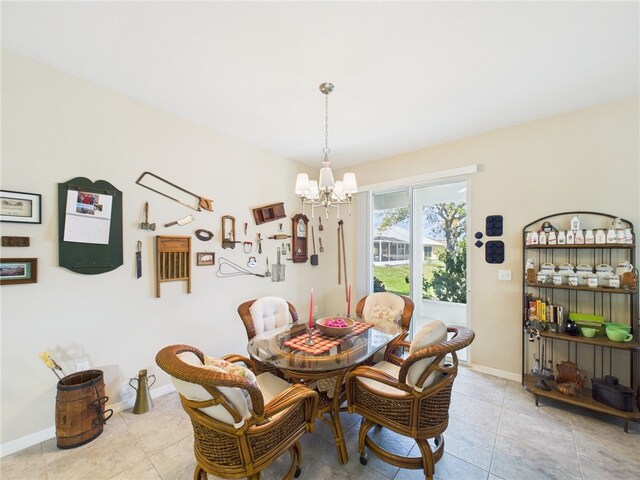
(598, 355)
(268, 213)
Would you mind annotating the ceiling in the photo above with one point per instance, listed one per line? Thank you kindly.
(407, 75)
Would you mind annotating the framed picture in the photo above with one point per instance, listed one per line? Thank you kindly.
(205, 258)
(20, 207)
(18, 270)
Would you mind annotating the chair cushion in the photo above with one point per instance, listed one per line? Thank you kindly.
(383, 388)
(269, 313)
(195, 392)
(381, 308)
(234, 369)
(271, 386)
(386, 319)
(431, 333)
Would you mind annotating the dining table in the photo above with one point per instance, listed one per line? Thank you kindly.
(322, 363)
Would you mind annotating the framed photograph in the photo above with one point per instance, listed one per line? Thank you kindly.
(205, 258)
(18, 270)
(20, 207)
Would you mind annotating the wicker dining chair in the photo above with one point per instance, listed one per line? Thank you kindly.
(264, 314)
(381, 307)
(240, 426)
(411, 399)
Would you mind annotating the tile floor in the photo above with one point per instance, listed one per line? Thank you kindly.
(495, 432)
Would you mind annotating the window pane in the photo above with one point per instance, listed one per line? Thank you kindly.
(391, 238)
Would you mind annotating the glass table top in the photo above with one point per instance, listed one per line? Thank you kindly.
(269, 348)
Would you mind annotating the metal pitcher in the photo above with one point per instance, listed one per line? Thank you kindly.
(144, 403)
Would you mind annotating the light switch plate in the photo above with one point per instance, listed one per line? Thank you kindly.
(504, 275)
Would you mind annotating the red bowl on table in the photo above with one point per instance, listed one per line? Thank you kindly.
(335, 326)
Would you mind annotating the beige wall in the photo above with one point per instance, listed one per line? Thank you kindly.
(55, 128)
(587, 160)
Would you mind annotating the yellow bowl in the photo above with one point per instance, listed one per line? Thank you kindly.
(588, 332)
(335, 331)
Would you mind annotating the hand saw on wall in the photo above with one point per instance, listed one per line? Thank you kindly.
(159, 185)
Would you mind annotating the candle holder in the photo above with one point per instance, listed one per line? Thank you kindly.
(309, 340)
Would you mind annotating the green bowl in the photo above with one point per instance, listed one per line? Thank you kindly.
(618, 335)
(619, 326)
(588, 332)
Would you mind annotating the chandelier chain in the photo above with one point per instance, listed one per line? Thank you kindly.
(326, 150)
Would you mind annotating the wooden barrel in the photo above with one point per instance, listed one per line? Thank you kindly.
(80, 414)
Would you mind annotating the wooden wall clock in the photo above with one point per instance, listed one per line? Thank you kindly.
(299, 238)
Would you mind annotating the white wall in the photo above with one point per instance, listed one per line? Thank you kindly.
(55, 128)
(587, 160)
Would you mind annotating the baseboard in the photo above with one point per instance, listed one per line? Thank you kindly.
(516, 377)
(130, 402)
(25, 442)
(34, 438)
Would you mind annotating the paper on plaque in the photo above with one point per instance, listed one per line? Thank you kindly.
(87, 217)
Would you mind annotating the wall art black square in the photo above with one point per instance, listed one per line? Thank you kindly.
(493, 226)
(494, 251)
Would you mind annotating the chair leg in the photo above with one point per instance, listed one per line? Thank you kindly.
(296, 460)
(365, 426)
(296, 457)
(428, 464)
(199, 473)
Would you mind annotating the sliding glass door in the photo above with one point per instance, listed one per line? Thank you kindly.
(439, 280)
(419, 249)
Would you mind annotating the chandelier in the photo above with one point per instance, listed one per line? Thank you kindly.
(325, 192)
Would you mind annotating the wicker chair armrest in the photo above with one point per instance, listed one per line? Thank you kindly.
(167, 359)
(235, 358)
(372, 373)
(293, 395)
(463, 336)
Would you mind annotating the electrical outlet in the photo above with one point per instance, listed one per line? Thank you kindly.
(504, 275)
(81, 366)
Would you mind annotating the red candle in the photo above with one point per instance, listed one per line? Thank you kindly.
(311, 310)
(349, 301)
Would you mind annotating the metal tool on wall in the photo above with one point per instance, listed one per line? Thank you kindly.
(146, 225)
(229, 232)
(339, 262)
(344, 258)
(314, 255)
(182, 221)
(139, 259)
(278, 270)
(267, 273)
(320, 242)
(320, 226)
(159, 182)
(226, 268)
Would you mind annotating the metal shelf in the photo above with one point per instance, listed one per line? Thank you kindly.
(583, 289)
(583, 400)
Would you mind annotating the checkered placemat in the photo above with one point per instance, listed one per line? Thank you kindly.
(323, 343)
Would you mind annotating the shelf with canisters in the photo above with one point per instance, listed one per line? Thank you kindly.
(604, 246)
(623, 291)
(547, 346)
